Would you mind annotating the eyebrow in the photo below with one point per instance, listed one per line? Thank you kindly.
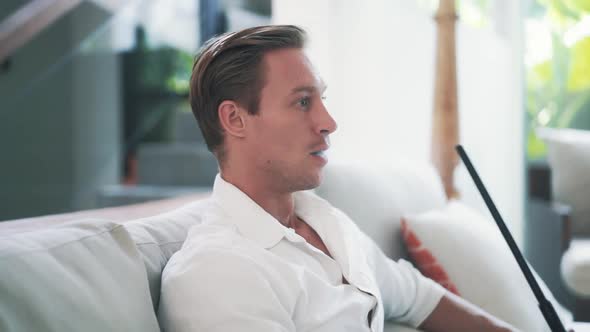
(310, 88)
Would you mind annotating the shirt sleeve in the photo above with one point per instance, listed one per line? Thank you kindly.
(220, 291)
(407, 295)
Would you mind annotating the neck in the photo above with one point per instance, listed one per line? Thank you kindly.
(278, 204)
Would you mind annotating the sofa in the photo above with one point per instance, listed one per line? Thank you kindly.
(100, 270)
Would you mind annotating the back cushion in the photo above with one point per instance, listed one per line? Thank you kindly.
(82, 276)
(376, 195)
(159, 237)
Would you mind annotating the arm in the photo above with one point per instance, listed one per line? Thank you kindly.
(418, 301)
(220, 291)
(455, 314)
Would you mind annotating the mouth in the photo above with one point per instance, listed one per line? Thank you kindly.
(320, 153)
(321, 150)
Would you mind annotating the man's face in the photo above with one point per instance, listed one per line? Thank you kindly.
(289, 135)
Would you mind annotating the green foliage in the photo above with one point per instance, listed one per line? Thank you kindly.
(579, 74)
(558, 89)
(536, 147)
(561, 13)
(156, 82)
(164, 69)
(578, 5)
(178, 82)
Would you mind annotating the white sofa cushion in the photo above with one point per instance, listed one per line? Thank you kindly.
(158, 237)
(568, 153)
(81, 276)
(376, 195)
(479, 263)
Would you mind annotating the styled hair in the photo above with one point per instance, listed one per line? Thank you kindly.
(230, 67)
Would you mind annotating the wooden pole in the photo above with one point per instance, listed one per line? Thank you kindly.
(445, 121)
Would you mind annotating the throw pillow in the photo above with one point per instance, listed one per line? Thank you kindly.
(424, 259)
(479, 263)
(568, 154)
(374, 193)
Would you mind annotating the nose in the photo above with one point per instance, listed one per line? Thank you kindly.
(326, 123)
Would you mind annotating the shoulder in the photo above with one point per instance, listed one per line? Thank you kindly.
(217, 267)
(201, 263)
(213, 272)
(208, 247)
(220, 288)
(221, 283)
(215, 248)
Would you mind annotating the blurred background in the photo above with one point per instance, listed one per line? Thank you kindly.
(94, 96)
(94, 104)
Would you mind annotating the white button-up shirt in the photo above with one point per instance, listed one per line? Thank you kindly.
(242, 270)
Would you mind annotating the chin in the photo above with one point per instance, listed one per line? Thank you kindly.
(296, 180)
(311, 182)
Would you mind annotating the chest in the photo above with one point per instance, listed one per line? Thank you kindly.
(311, 236)
(323, 282)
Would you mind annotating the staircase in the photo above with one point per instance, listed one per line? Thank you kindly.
(166, 170)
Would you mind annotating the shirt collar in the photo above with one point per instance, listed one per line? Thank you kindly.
(253, 222)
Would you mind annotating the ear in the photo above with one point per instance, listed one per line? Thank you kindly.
(232, 118)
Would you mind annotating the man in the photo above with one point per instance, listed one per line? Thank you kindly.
(269, 255)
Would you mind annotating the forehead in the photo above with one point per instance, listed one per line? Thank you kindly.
(290, 68)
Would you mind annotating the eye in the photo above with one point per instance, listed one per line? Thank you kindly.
(304, 102)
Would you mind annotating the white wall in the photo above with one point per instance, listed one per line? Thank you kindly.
(377, 57)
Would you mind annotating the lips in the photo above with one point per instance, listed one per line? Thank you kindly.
(319, 151)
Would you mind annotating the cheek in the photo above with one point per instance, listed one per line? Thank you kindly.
(283, 140)
(277, 133)
(280, 134)
(281, 144)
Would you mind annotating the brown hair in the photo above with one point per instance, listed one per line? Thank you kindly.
(229, 67)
